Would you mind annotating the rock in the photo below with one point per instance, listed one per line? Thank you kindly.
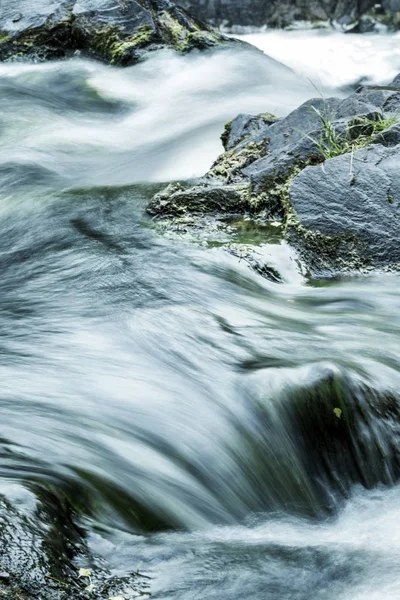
(344, 431)
(385, 13)
(389, 137)
(341, 423)
(176, 201)
(348, 211)
(42, 549)
(117, 31)
(356, 16)
(292, 141)
(277, 13)
(245, 128)
(327, 171)
(392, 6)
(365, 24)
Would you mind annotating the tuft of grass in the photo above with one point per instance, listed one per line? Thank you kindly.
(360, 132)
(330, 142)
(385, 122)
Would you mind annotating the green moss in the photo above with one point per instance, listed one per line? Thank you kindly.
(176, 33)
(201, 40)
(269, 117)
(344, 253)
(274, 199)
(111, 44)
(44, 43)
(231, 162)
(144, 35)
(118, 49)
(105, 40)
(284, 196)
(226, 133)
(185, 37)
(274, 196)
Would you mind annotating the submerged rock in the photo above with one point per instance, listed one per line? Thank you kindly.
(44, 554)
(328, 171)
(348, 430)
(115, 31)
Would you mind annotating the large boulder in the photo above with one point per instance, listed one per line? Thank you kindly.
(117, 31)
(348, 209)
(277, 13)
(328, 172)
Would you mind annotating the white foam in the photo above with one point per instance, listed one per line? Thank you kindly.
(332, 58)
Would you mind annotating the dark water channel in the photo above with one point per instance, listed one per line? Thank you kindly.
(237, 438)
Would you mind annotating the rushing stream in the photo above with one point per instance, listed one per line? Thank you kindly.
(179, 397)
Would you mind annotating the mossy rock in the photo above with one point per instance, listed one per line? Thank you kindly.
(328, 172)
(177, 200)
(120, 36)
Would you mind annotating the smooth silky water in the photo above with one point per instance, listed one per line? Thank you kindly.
(174, 396)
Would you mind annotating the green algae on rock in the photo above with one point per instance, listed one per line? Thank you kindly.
(177, 200)
(185, 34)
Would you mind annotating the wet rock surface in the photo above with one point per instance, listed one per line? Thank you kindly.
(327, 171)
(116, 31)
(44, 555)
(277, 13)
(175, 199)
(358, 210)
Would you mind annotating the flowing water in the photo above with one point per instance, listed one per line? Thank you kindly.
(236, 437)
(331, 58)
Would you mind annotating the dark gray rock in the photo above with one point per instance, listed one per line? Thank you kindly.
(392, 6)
(277, 13)
(390, 137)
(291, 141)
(31, 15)
(117, 31)
(327, 170)
(351, 204)
(246, 128)
(42, 549)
